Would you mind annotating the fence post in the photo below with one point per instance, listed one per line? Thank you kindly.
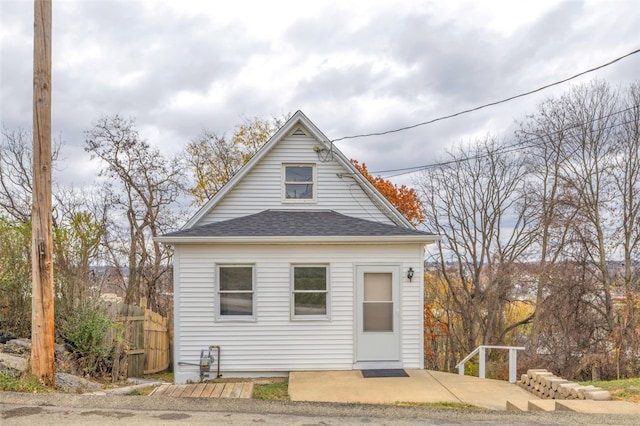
(482, 362)
(513, 363)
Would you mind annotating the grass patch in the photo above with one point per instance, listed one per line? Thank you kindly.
(278, 391)
(142, 391)
(623, 389)
(163, 376)
(443, 404)
(25, 383)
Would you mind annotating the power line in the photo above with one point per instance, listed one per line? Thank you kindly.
(489, 104)
(503, 150)
(525, 143)
(521, 143)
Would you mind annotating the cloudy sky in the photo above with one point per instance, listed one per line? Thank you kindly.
(178, 67)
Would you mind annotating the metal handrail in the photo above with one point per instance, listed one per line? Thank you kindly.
(513, 360)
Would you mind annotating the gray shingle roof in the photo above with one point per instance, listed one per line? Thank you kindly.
(287, 223)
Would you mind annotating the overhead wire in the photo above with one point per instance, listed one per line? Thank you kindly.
(510, 148)
(525, 143)
(522, 142)
(413, 126)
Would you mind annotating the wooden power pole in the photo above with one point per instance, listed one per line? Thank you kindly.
(42, 330)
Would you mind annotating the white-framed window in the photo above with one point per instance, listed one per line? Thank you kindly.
(310, 297)
(235, 286)
(298, 182)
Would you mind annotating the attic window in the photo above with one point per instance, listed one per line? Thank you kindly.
(299, 132)
(298, 182)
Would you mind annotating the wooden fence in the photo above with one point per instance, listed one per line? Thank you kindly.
(156, 342)
(147, 340)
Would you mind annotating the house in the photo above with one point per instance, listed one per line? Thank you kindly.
(298, 263)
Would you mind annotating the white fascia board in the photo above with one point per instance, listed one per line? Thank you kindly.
(426, 239)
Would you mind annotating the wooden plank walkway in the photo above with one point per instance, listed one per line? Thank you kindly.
(206, 390)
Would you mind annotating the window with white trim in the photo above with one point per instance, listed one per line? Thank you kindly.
(298, 182)
(236, 295)
(310, 291)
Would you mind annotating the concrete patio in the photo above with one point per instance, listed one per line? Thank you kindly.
(425, 386)
(421, 386)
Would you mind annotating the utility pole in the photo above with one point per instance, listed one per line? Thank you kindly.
(42, 330)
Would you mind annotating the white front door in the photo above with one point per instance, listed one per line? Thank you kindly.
(377, 314)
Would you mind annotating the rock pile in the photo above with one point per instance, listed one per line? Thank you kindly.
(544, 384)
(14, 361)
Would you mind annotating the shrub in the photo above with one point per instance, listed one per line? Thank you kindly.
(93, 338)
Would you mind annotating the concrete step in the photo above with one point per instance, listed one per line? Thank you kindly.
(541, 405)
(578, 406)
(598, 407)
(517, 406)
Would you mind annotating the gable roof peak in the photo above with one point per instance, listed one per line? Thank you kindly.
(297, 119)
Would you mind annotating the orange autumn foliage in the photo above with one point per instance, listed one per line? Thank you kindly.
(404, 199)
(433, 328)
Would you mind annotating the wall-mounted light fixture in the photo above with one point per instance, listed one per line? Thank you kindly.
(410, 274)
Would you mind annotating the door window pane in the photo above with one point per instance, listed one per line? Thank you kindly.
(378, 317)
(377, 287)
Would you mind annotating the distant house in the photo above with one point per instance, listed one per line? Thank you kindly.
(298, 263)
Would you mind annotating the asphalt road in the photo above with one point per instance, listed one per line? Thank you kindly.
(65, 409)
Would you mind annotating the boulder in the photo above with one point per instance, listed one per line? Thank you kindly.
(73, 384)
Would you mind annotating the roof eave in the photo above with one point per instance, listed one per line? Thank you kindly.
(374, 239)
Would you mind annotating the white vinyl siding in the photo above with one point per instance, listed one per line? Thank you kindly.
(261, 189)
(275, 343)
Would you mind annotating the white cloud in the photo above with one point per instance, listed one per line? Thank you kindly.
(179, 67)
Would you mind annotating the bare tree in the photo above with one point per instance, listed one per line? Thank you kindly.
(570, 323)
(587, 173)
(144, 186)
(74, 248)
(15, 277)
(16, 173)
(472, 201)
(77, 246)
(626, 162)
(583, 170)
(549, 210)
